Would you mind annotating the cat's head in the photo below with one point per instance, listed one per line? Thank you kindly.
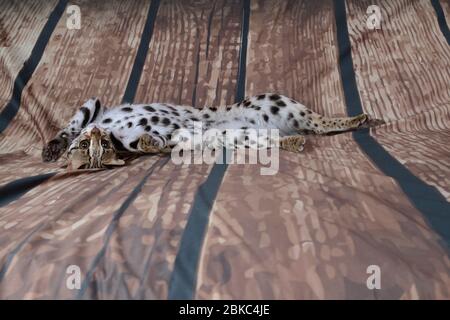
(92, 149)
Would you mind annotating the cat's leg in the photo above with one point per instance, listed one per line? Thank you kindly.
(325, 125)
(88, 113)
(308, 121)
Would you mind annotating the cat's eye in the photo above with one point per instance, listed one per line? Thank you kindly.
(84, 144)
(105, 144)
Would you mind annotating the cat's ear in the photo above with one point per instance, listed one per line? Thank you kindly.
(113, 162)
(93, 104)
(97, 104)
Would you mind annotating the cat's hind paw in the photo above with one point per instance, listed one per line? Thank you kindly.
(148, 144)
(365, 121)
(293, 143)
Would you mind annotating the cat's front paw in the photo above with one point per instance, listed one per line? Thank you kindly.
(54, 150)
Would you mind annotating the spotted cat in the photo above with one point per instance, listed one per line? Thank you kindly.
(95, 135)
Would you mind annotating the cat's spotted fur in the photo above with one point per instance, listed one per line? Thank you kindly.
(150, 128)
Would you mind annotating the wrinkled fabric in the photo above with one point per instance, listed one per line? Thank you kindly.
(308, 232)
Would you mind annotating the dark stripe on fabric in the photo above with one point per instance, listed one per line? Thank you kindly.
(11, 109)
(441, 19)
(141, 55)
(197, 66)
(427, 199)
(17, 188)
(86, 116)
(184, 276)
(113, 225)
(10, 192)
(13, 253)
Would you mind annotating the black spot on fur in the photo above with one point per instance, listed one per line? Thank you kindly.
(290, 116)
(247, 103)
(164, 111)
(143, 122)
(96, 111)
(252, 121)
(293, 101)
(275, 97)
(274, 110)
(257, 108)
(149, 108)
(261, 97)
(127, 109)
(309, 111)
(155, 119)
(228, 108)
(155, 132)
(175, 126)
(117, 143)
(295, 122)
(302, 113)
(316, 125)
(194, 119)
(175, 113)
(281, 103)
(86, 116)
(129, 124)
(148, 128)
(206, 116)
(107, 120)
(134, 144)
(214, 109)
(166, 121)
(266, 117)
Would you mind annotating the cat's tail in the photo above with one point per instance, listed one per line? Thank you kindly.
(328, 125)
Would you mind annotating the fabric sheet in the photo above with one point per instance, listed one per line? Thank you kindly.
(157, 230)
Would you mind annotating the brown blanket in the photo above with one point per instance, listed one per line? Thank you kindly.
(157, 230)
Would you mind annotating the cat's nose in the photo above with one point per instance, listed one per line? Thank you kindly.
(95, 131)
